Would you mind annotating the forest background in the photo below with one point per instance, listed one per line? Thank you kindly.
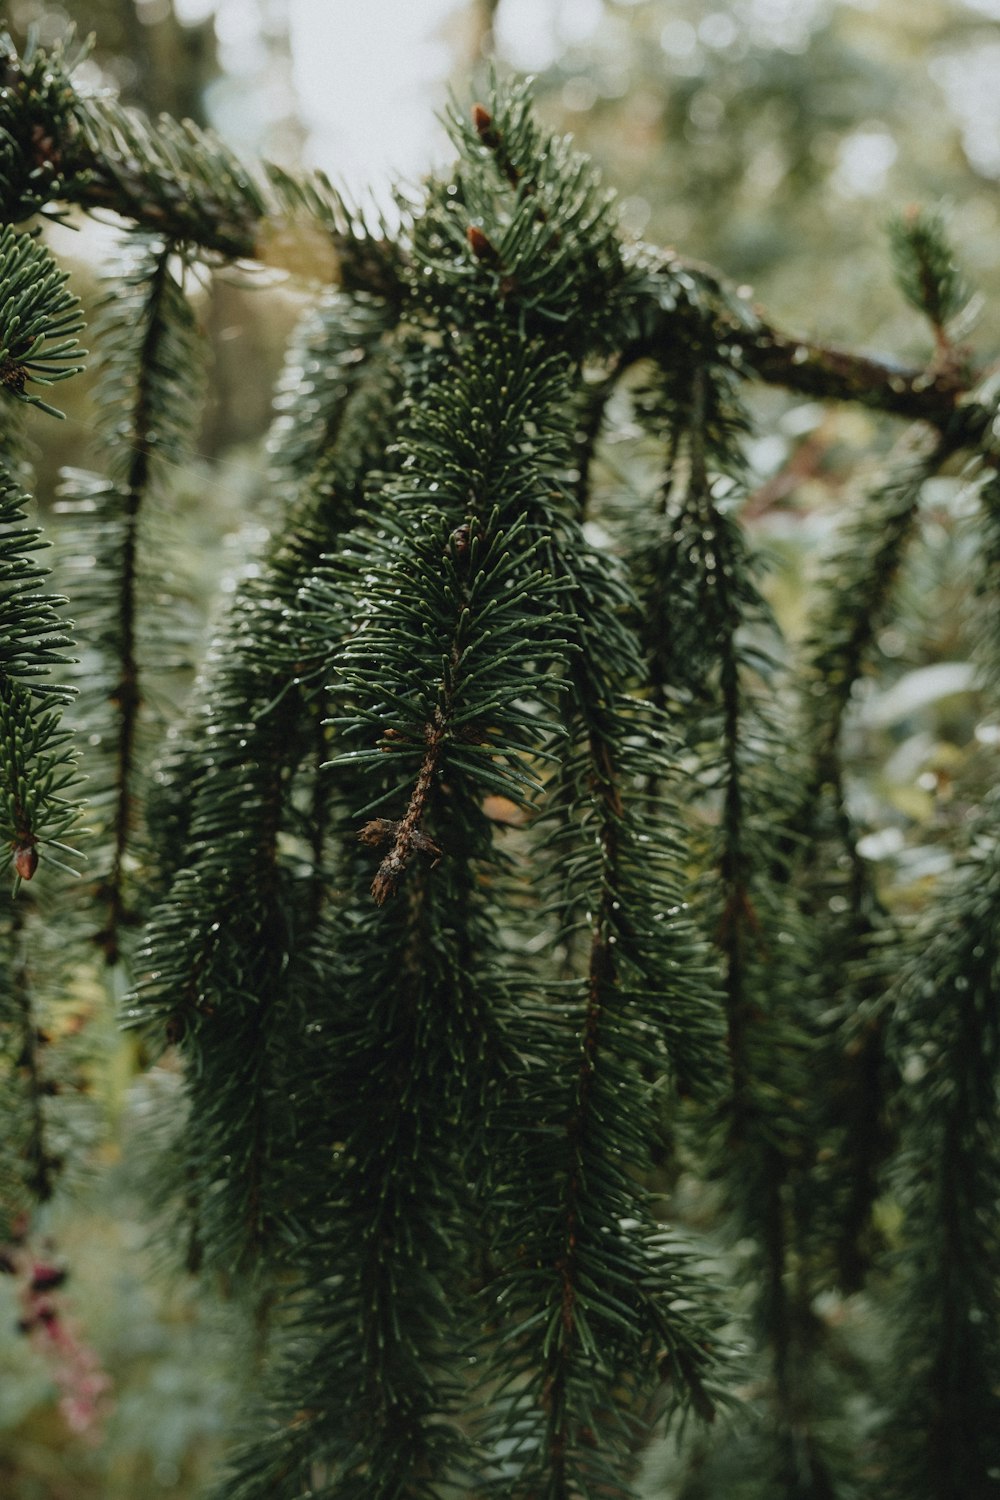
(770, 138)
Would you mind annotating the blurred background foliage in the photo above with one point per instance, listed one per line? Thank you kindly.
(771, 138)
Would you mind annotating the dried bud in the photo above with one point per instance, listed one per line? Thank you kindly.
(25, 860)
(461, 539)
(46, 152)
(13, 376)
(378, 831)
(480, 246)
(483, 121)
(390, 872)
(426, 845)
(387, 877)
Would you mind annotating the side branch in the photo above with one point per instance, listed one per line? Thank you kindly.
(601, 978)
(406, 835)
(930, 393)
(833, 374)
(127, 694)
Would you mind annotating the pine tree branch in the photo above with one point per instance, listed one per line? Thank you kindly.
(127, 695)
(754, 1148)
(941, 1441)
(319, 814)
(406, 836)
(600, 979)
(439, 1116)
(101, 181)
(830, 373)
(97, 156)
(38, 776)
(716, 313)
(861, 577)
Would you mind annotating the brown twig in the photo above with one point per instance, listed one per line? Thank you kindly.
(406, 835)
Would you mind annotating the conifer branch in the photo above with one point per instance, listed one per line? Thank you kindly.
(57, 145)
(711, 648)
(493, 140)
(757, 1144)
(216, 969)
(38, 788)
(97, 155)
(127, 694)
(931, 281)
(939, 1440)
(39, 320)
(406, 836)
(668, 288)
(445, 592)
(435, 1120)
(319, 815)
(861, 577)
(37, 767)
(592, 1335)
(942, 1437)
(38, 1138)
(829, 373)
(564, 1435)
(854, 960)
(151, 364)
(591, 1290)
(330, 429)
(862, 1108)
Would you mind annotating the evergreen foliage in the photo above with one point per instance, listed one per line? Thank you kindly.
(551, 1053)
